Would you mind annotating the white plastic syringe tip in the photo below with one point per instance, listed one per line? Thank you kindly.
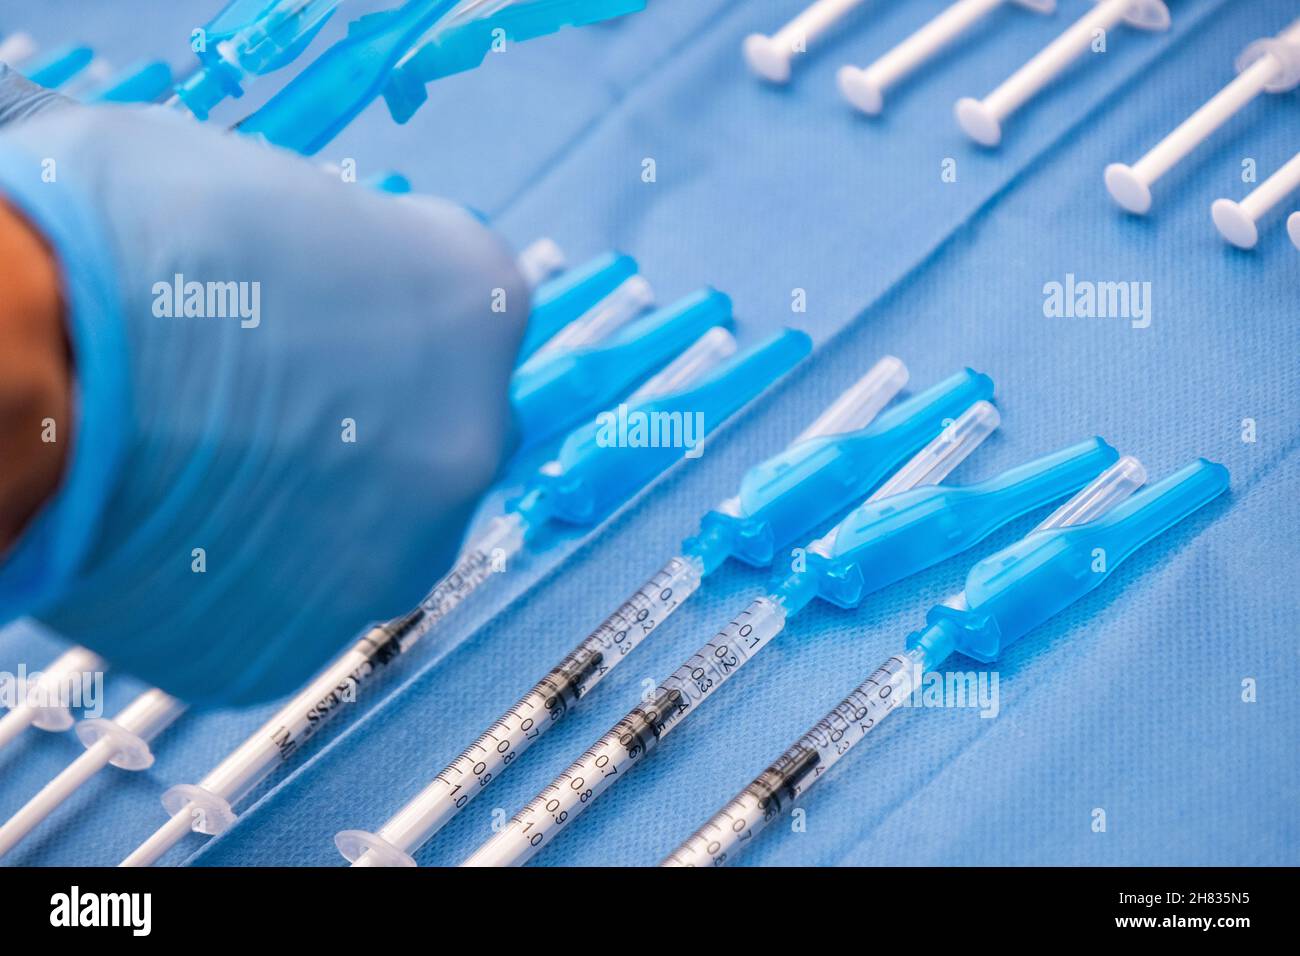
(857, 87)
(1234, 223)
(1293, 229)
(1127, 188)
(766, 58)
(1148, 15)
(362, 848)
(978, 121)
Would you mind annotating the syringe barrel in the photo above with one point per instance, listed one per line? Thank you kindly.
(803, 764)
(280, 737)
(149, 714)
(544, 706)
(1284, 52)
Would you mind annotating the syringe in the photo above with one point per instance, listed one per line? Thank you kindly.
(1006, 596)
(829, 465)
(1271, 65)
(588, 479)
(572, 293)
(583, 369)
(45, 705)
(122, 741)
(318, 103)
(895, 533)
(247, 38)
(462, 39)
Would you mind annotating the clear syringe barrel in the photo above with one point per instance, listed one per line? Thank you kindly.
(588, 663)
(209, 805)
(285, 733)
(632, 296)
(807, 760)
(861, 402)
(935, 462)
(703, 355)
(771, 792)
(544, 706)
(699, 677)
(628, 741)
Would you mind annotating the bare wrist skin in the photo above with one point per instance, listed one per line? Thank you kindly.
(35, 375)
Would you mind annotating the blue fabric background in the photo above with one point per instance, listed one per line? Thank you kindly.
(1130, 701)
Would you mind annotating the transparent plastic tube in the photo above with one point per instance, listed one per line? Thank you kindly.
(633, 296)
(603, 472)
(551, 698)
(806, 761)
(208, 807)
(540, 260)
(643, 728)
(541, 708)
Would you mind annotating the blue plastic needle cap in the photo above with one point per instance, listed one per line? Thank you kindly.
(814, 479)
(559, 301)
(894, 537)
(554, 391)
(602, 464)
(1015, 590)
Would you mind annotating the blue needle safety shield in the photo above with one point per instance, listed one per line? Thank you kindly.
(561, 300)
(552, 391)
(891, 538)
(821, 474)
(1019, 588)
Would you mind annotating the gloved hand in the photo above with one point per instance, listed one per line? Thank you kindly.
(244, 493)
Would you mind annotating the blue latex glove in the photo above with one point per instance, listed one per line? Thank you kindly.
(228, 434)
